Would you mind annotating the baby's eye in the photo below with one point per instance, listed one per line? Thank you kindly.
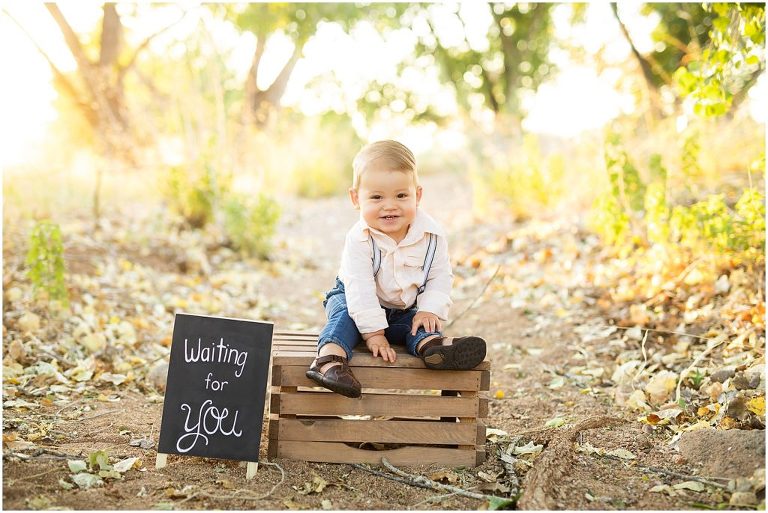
(375, 197)
(402, 195)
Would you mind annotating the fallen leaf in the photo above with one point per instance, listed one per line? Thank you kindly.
(556, 422)
(66, 485)
(76, 466)
(529, 448)
(757, 405)
(86, 480)
(445, 476)
(326, 504)
(689, 485)
(497, 503)
(622, 453)
(39, 502)
(125, 465)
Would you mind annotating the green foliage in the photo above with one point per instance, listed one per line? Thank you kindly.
(655, 204)
(193, 190)
(532, 182)
(45, 259)
(682, 31)
(732, 61)
(709, 224)
(250, 223)
(309, 156)
(626, 185)
(609, 220)
(516, 59)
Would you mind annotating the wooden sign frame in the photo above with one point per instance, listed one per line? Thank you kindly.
(216, 389)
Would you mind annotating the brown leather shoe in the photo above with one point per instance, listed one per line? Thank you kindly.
(464, 353)
(338, 378)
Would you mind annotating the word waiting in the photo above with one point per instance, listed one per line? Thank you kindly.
(225, 354)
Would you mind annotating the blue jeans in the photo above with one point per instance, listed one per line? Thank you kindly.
(342, 330)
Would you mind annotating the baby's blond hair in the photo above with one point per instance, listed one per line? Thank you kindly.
(393, 155)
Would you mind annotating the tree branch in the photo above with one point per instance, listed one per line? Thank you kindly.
(144, 44)
(111, 36)
(69, 37)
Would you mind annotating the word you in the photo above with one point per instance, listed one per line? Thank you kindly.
(207, 354)
(210, 420)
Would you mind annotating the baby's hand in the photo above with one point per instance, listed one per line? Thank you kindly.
(379, 346)
(429, 320)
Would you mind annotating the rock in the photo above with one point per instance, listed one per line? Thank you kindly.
(733, 453)
(720, 375)
(743, 499)
(744, 381)
(29, 322)
(755, 375)
(158, 376)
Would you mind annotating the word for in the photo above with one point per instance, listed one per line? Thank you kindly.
(210, 420)
(214, 384)
(225, 354)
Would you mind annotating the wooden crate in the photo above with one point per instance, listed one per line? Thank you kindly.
(409, 414)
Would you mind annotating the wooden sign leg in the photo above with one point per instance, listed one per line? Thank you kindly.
(250, 471)
(161, 461)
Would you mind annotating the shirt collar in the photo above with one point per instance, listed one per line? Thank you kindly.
(422, 224)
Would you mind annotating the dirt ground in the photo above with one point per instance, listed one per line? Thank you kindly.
(527, 347)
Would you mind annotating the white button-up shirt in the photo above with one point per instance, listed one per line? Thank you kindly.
(400, 275)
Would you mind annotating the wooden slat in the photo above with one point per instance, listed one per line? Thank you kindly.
(392, 378)
(381, 431)
(337, 452)
(485, 380)
(360, 360)
(310, 403)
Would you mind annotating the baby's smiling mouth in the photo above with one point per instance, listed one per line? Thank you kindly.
(389, 217)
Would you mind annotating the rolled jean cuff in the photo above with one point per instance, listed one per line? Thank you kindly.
(323, 342)
(421, 335)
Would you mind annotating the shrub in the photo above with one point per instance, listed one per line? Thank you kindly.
(192, 191)
(45, 259)
(250, 224)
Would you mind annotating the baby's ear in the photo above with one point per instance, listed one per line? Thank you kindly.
(418, 194)
(353, 196)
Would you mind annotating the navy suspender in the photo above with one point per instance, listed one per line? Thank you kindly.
(429, 258)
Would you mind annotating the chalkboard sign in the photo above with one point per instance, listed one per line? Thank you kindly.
(217, 379)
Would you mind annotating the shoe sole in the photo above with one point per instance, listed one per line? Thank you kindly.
(464, 355)
(318, 378)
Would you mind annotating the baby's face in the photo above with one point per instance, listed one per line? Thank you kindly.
(387, 200)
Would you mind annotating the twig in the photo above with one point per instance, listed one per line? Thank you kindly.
(676, 281)
(645, 358)
(498, 268)
(705, 480)
(432, 499)
(98, 415)
(389, 476)
(432, 484)
(659, 331)
(75, 403)
(14, 481)
(235, 495)
(695, 362)
(659, 470)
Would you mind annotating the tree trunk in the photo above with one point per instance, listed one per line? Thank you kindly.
(262, 105)
(102, 102)
(654, 96)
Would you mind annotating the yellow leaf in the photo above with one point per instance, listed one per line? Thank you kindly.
(757, 405)
(499, 394)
